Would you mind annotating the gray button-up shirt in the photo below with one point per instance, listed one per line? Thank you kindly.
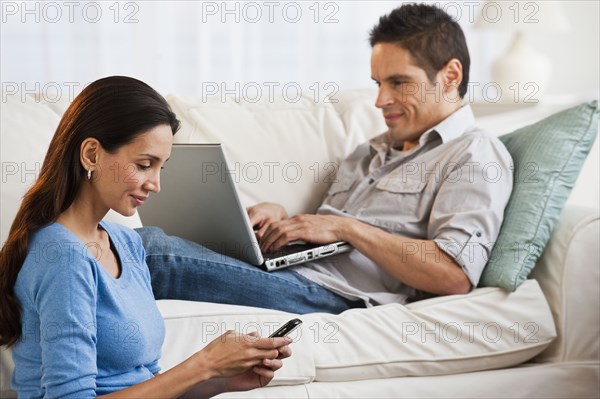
(451, 188)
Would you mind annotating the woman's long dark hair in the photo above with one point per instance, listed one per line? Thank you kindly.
(113, 110)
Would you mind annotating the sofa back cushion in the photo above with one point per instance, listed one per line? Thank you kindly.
(27, 126)
(280, 151)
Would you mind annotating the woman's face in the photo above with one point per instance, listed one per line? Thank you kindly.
(122, 181)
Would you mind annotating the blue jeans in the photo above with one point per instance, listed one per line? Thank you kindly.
(182, 269)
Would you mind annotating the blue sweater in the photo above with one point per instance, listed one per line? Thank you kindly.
(85, 333)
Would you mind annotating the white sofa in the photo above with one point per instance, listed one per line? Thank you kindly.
(540, 341)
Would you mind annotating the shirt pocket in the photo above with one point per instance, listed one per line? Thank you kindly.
(401, 186)
(397, 205)
(340, 189)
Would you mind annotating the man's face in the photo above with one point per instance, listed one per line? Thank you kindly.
(411, 104)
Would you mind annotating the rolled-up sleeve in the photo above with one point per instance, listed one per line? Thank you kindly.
(468, 210)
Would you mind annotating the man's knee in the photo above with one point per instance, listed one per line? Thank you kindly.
(153, 238)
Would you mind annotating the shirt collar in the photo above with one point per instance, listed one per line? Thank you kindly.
(450, 128)
(454, 125)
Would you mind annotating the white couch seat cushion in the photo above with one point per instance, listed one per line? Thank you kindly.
(190, 326)
(486, 329)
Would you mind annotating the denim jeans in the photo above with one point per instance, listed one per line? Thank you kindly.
(182, 269)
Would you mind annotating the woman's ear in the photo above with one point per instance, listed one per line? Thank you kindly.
(88, 155)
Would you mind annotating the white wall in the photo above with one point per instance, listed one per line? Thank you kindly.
(575, 54)
(185, 47)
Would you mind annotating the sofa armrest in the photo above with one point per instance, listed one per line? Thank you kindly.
(569, 275)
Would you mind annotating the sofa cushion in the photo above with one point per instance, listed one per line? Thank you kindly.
(548, 156)
(486, 329)
(190, 326)
(27, 126)
(253, 136)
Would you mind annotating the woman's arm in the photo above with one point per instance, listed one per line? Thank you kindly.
(256, 377)
(233, 357)
(170, 384)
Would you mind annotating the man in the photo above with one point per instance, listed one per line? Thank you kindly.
(418, 203)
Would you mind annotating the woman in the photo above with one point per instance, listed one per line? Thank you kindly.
(75, 294)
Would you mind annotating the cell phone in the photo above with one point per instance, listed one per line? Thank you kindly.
(286, 328)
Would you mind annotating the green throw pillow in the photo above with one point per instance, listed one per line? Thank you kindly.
(547, 156)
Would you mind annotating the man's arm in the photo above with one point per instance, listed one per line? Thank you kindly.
(464, 221)
(418, 263)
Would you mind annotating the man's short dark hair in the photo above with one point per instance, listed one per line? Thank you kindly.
(430, 35)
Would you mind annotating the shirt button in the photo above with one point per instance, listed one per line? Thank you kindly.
(371, 181)
(478, 234)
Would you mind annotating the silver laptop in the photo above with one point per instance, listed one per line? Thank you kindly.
(199, 201)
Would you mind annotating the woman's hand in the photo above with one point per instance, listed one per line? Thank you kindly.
(258, 376)
(263, 214)
(229, 357)
(232, 354)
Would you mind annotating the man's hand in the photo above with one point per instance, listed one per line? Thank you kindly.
(317, 229)
(414, 262)
(263, 214)
(417, 263)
